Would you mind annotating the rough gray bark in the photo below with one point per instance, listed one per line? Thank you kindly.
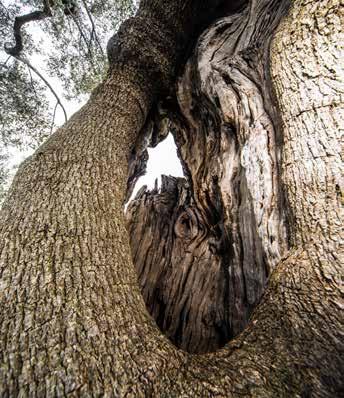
(73, 321)
(226, 234)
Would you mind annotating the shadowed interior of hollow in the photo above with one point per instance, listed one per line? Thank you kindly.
(204, 245)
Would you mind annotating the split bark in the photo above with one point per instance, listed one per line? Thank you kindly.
(204, 256)
(73, 321)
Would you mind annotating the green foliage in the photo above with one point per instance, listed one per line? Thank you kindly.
(83, 35)
(25, 115)
(68, 48)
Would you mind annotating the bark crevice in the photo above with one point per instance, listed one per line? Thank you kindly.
(73, 321)
(227, 130)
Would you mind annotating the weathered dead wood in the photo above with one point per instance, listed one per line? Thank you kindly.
(231, 231)
(73, 321)
(182, 276)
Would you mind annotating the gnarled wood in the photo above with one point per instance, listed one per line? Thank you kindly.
(228, 135)
(182, 277)
(73, 321)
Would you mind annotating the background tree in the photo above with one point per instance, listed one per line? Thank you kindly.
(73, 318)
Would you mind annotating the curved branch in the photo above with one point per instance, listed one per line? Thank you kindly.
(87, 43)
(69, 289)
(93, 27)
(22, 20)
(26, 62)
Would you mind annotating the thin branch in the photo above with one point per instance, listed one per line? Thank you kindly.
(53, 121)
(93, 27)
(22, 20)
(88, 45)
(31, 81)
(5, 63)
(79, 29)
(26, 62)
(15, 50)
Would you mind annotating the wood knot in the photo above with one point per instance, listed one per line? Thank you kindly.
(186, 226)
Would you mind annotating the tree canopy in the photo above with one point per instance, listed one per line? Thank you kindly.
(58, 47)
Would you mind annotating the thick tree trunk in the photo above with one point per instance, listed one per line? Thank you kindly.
(73, 321)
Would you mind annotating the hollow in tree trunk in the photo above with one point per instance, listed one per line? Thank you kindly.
(73, 320)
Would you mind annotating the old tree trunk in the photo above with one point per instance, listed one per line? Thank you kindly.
(248, 242)
(205, 246)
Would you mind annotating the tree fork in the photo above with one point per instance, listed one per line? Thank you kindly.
(73, 321)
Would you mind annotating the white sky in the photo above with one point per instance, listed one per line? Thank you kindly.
(162, 159)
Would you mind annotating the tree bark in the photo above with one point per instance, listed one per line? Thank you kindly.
(225, 235)
(73, 320)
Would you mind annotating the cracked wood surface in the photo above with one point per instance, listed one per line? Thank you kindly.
(73, 321)
(227, 232)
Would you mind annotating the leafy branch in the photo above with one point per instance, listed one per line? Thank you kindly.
(93, 33)
(22, 20)
(15, 51)
(27, 62)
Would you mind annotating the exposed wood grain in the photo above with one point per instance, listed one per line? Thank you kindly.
(73, 321)
(231, 218)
